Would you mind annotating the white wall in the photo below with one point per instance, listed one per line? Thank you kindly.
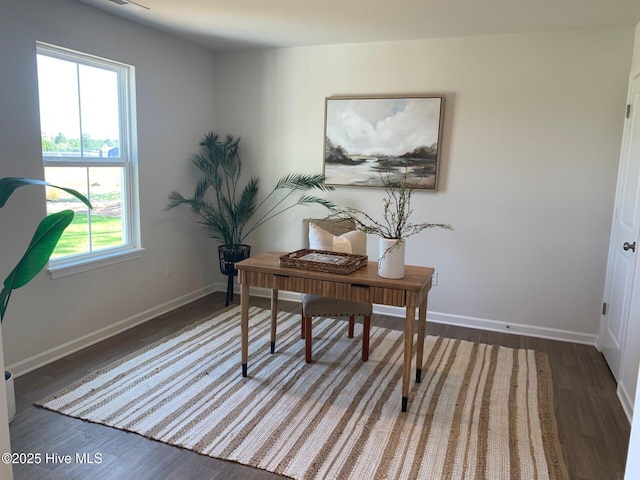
(175, 91)
(531, 143)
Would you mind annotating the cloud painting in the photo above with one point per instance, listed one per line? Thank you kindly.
(369, 137)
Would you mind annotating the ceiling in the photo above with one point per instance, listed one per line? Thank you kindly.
(242, 24)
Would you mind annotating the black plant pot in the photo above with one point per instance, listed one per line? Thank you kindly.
(229, 255)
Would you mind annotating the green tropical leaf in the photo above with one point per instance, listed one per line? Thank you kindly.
(37, 255)
(9, 184)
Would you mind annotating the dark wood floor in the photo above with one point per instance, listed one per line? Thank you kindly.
(593, 429)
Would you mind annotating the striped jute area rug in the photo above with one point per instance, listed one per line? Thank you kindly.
(481, 411)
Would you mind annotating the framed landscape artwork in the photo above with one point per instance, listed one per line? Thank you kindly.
(371, 138)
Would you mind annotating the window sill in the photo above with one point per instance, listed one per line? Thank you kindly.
(72, 266)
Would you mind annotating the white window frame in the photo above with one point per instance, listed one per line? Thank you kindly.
(132, 245)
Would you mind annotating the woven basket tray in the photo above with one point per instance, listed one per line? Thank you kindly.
(323, 261)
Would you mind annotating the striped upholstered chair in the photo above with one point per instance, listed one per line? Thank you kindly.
(334, 235)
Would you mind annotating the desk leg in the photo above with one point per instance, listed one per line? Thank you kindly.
(422, 326)
(408, 346)
(274, 316)
(244, 325)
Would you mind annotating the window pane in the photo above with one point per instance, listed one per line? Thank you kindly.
(59, 111)
(98, 229)
(106, 198)
(75, 239)
(100, 116)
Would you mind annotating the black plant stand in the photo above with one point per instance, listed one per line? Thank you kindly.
(229, 255)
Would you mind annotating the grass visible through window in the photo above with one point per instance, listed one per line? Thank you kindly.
(106, 231)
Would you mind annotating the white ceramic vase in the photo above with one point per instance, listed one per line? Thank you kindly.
(391, 261)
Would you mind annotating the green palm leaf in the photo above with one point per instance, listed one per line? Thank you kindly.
(311, 199)
(303, 182)
(247, 204)
(42, 244)
(201, 189)
(175, 199)
(224, 210)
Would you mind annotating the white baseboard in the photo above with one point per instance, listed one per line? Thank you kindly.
(513, 328)
(48, 356)
(626, 401)
(44, 358)
(463, 321)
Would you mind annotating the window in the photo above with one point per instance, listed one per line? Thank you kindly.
(88, 144)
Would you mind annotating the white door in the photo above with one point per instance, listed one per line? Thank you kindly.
(623, 246)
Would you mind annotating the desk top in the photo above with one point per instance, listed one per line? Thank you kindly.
(415, 278)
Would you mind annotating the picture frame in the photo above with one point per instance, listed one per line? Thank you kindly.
(368, 138)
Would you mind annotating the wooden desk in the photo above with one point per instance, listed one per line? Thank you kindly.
(363, 285)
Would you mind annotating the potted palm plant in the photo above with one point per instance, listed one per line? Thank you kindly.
(230, 214)
(36, 256)
(395, 225)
